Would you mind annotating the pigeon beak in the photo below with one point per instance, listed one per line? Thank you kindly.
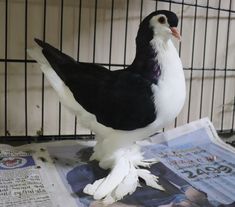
(175, 33)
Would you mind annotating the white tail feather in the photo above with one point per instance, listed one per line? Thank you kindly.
(52, 77)
(62, 90)
(36, 54)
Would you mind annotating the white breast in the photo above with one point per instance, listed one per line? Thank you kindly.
(170, 92)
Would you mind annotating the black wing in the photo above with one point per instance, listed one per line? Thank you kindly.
(119, 99)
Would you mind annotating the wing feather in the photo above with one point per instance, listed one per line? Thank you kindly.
(119, 99)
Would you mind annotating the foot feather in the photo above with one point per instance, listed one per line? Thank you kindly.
(123, 178)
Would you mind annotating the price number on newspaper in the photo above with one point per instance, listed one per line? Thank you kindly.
(207, 172)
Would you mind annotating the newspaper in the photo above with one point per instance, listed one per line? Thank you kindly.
(195, 166)
(28, 178)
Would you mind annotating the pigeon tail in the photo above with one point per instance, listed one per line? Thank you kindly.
(36, 54)
(65, 95)
(54, 53)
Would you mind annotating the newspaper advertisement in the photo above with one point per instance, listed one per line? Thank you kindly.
(196, 169)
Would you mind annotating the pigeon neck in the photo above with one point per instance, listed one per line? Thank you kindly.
(146, 62)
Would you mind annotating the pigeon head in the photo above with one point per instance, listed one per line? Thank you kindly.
(161, 23)
(164, 23)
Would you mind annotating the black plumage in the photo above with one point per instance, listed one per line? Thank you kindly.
(120, 99)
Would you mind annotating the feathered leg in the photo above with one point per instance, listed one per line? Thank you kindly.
(125, 164)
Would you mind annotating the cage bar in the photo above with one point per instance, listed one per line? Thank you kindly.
(224, 121)
(25, 68)
(111, 35)
(204, 59)
(180, 44)
(197, 5)
(226, 64)
(6, 57)
(192, 63)
(61, 48)
(126, 30)
(215, 62)
(41, 132)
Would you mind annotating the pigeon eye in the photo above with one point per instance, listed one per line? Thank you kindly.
(162, 20)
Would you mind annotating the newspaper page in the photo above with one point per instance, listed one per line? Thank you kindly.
(196, 154)
(195, 168)
(29, 179)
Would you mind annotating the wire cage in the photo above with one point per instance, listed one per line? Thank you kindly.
(103, 32)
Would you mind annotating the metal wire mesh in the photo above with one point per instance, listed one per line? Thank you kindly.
(103, 32)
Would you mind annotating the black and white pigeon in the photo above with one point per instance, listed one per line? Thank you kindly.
(123, 106)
